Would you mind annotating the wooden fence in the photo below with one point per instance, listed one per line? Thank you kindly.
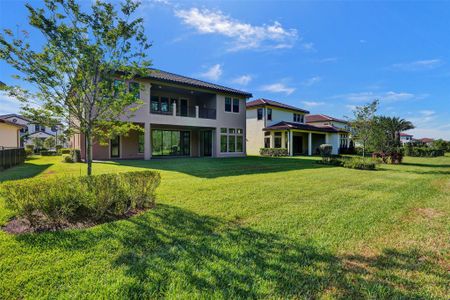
(10, 157)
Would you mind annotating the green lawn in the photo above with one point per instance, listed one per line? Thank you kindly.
(248, 228)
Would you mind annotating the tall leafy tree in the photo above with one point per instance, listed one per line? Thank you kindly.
(74, 74)
(363, 122)
(395, 126)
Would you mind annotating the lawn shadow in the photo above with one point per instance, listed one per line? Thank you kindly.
(172, 251)
(426, 165)
(25, 170)
(222, 167)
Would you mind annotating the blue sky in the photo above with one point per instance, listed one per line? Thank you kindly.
(326, 57)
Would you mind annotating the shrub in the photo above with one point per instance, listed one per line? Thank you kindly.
(67, 158)
(58, 201)
(359, 163)
(29, 152)
(58, 149)
(331, 161)
(273, 152)
(65, 150)
(29, 147)
(325, 150)
(47, 152)
(423, 151)
(76, 155)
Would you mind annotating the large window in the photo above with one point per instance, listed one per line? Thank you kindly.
(231, 140)
(269, 114)
(277, 140)
(267, 139)
(298, 118)
(134, 88)
(141, 142)
(343, 140)
(260, 113)
(235, 105)
(170, 143)
(227, 104)
(160, 104)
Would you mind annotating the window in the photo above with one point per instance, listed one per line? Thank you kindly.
(118, 85)
(299, 118)
(269, 114)
(54, 128)
(141, 142)
(170, 143)
(260, 113)
(231, 140)
(155, 103)
(164, 104)
(235, 105)
(277, 140)
(343, 140)
(37, 127)
(42, 128)
(134, 88)
(115, 147)
(228, 104)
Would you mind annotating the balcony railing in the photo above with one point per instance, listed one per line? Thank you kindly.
(191, 111)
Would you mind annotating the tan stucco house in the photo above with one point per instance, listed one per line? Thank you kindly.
(9, 134)
(272, 124)
(181, 116)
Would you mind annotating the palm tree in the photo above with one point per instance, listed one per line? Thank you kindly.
(395, 126)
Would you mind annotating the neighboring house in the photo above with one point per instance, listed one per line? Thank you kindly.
(181, 116)
(272, 124)
(31, 130)
(426, 141)
(406, 138)
(9, 134)
(324, 120)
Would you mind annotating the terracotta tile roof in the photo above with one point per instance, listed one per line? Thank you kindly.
(426, 140)
(264, 102)
(179, 79)
(405, 134)
(322, 118)
(301, 126)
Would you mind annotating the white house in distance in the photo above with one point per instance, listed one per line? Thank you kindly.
(30, 129)
(272, 124)
(406, 138)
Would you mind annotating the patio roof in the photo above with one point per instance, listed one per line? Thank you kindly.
(301, 126)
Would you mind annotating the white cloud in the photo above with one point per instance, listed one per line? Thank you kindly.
(242, 80)
(242, 35)
(433, 133)
(278, 88)
(213, 73)
(309, 47)
(312, 103)
(326, 60)
(312, 80)
(8, 104)
(418, 65)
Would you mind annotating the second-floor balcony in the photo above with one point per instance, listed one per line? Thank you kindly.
(182, 103)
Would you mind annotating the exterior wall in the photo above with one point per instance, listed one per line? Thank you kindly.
(9, 135)
(333, 140)
(334, 123)
(255, 134)
(279, 115)
(100, 152)
(317, 140)
(129, 146)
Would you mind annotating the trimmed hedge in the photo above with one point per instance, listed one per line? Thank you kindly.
(58, 201)
(423, 151)
(273, 152)
(359, 163)
(67, 158)
(48, 153)
(325, 150)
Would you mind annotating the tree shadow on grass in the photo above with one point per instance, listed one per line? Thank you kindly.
(221, 167)
(25, 170)
(174, 252)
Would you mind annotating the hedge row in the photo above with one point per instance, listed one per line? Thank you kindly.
(57, 201)
(351, 163)
(274, 152)
(423, 151)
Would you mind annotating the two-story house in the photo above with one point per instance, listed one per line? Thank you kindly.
(406, 138)
(181, 116)
(31, 129)
(324, 120)
(272, 124)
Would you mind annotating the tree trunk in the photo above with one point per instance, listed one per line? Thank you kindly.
(89, 153)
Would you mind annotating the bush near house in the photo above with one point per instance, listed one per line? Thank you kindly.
(67, 158)
(58, 202)
(359, 163)
(76, 155)
(273, 152)
(48, 152)
(65, 150)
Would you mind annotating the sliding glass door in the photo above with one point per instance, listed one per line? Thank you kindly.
(115, 147)
(171, 143)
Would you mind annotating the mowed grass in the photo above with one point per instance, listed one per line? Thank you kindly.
(247, 228)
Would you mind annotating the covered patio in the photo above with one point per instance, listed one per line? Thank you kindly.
(300, 138)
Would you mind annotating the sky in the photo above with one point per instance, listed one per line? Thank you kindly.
(326, 57)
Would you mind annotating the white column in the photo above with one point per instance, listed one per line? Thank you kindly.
(149, 98)
(283, 139)
(309, 143)
(147, 142)
(196, 111)
(174, 108)
(272, 139)
(290, 143)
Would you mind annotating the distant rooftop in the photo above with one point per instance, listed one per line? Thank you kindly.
(301, 126)
(263, 102)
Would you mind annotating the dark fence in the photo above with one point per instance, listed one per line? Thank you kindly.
(11, 157)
